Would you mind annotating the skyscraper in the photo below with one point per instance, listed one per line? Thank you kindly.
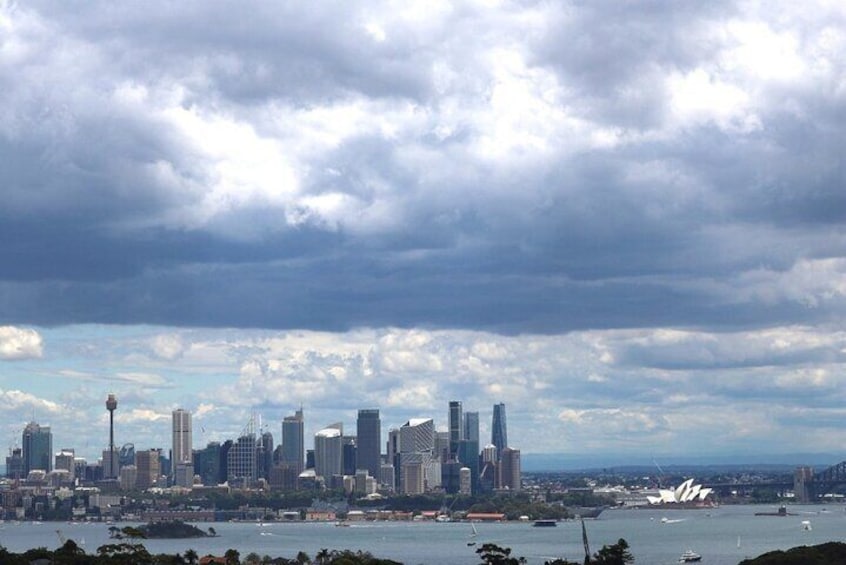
(417, 446)
(182, 441)
(37, 443)
(471, 426)
(293, 441)
(509, 469)
(147, 468)
(369, 442)
(499, 429)
(456, 428)
(328, 452)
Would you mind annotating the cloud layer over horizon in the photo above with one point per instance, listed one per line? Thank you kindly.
(666, 179)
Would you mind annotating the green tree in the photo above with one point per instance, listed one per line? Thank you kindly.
(492, 554)
(192, 557)
(614, 554)
(232, 557)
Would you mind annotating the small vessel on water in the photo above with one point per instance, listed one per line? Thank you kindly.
(690, 556)
(806, 525)
(545, 523)
(473, 535)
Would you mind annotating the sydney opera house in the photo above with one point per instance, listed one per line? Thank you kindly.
(685, 493)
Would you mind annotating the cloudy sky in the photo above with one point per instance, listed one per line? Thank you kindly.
(625, 220)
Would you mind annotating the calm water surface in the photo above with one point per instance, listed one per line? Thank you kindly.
(714, 533)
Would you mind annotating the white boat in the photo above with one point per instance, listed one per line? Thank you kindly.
(690, 556)
(806, 525)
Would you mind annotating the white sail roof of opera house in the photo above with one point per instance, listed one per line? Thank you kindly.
(685, 492)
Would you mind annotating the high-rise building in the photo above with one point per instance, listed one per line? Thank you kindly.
(471, 426)
(417, 453)
(264, 456)
(509, 469)
(207, 464)
(442, 446)
(349, 451)
(14, 464)
(241, 460)
(147, 468)
(293, 441)
(37, 444)
(182, 440)
(328, 452)
(369, 441)
(64, 461)
(128, 477)
(499, 429)
(456, 428)
(417, 435)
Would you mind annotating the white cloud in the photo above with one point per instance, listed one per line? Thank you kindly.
(20, 343)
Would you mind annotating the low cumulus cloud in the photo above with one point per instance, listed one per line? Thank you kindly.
(20, 343)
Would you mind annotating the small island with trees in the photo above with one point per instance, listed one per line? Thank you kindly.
(168, 529)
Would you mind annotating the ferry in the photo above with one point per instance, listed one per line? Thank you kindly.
(545, 523)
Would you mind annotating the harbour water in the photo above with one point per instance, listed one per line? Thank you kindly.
(723, 535)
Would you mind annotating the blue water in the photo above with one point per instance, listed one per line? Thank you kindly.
(713, 533)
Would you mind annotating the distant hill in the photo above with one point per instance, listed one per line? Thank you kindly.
(537, 462)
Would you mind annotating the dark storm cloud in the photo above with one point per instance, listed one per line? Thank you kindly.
(526, 168)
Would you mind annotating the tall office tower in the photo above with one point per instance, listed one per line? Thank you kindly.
(293, 441)
(442, 446)
(417, 446)
(207, 464)
(147, 468)
(241, 461)
(392, 452)
(456, 428)
(471, 426)
(328, 452)
(417, 435)
(64, 461)
(509, 469)
(182, 441)
(111, 471)
(265, 455)
(128, 477)
(241, 458)
(349, 455)
(499, 429)
(14, 464)
(37, 443)
(369, 442)
(225, 447)
(79, 467)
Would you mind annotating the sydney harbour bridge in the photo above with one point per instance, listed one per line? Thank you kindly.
(806, 485)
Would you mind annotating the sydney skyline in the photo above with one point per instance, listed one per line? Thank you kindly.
(623, 220)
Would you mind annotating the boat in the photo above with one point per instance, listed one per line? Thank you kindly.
(545, 523)
(806, 525)
(473, 535)
(690, 556)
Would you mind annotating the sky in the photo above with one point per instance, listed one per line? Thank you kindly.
(624, 220)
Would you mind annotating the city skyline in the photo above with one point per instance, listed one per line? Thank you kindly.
(290, 427)
(623, 219)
